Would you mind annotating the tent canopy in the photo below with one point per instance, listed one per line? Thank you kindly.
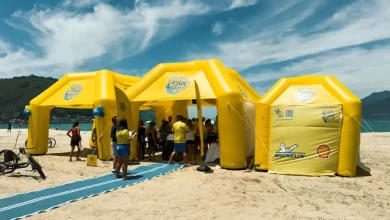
(173, 84)
(78, 90)
(86, 90)
(308, 125)
(175, 81)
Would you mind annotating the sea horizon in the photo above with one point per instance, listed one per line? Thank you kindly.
(373, 126)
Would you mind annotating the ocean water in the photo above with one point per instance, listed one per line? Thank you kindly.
(373, 126)
(60, 126)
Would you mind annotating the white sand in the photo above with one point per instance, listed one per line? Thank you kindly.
(188, 194)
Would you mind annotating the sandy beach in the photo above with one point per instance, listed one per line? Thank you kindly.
(223, 194)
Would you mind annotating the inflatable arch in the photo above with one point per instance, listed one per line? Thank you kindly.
(173, 85)
(308, 125)
(86, 90)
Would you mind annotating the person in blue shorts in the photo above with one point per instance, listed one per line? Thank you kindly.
(179, 129)
(123, 137)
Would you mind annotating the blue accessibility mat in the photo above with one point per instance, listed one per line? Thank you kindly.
(27, 204)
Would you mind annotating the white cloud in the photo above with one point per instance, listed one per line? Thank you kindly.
(217, 28)
(82, 3)
(67, 39)
(367, 21)
(362, 70)
(241, 3)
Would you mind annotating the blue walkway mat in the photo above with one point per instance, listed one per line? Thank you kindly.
(30, 203)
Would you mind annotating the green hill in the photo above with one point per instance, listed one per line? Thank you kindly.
(377, 106)
(16, 92)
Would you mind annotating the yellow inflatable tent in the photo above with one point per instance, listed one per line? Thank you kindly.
(172, 85)
(86, 90)
(308, 125)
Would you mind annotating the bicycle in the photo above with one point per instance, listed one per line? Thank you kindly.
(11, 162)
(50, 143)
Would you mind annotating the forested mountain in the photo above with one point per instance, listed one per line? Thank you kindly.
(377, 106)
(16, 93)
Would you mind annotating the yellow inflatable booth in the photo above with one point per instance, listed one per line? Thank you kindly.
(308, 125)
(172, 86)
(89, 90)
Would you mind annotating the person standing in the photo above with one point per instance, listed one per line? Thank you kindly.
(75, 140)
(190, 140)
(124, 138)
(170, 124)
(9, 127)
(163, 139)
(141, 140)
(179, 129)
(114, 128)
(152, 140)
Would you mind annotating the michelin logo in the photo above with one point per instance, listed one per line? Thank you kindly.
(287, 152)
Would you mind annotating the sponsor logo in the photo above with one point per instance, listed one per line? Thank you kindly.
(287, 152)
(123, 106)
(243, 93)
(176, 84)
(73, 91)
(305, 95)
(328, 115)
(323, 151)
(288, 114)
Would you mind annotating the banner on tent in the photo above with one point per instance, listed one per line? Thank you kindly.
(305, 139)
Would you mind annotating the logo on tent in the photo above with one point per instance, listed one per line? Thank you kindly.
(289, 114)
(176, 84)
(123, 106)
(305, 94)
(286, 152)
(243, 93)
(323, 151)
(328, 115)
(73, 91)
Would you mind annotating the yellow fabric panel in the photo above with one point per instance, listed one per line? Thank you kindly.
(306, 142)
(306, 116)
(305, 94)
(350, 131)
(73, 93)
(177, 86)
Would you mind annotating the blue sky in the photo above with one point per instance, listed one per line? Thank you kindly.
(263, 39)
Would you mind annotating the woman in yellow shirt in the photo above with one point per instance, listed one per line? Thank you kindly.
(123, 137)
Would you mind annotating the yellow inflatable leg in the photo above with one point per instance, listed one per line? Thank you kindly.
(262, 137)
(105, 97)
(231, 132)
(133, 125)
(179, 107)
(349, 141)
(38, 130)
(160, 114)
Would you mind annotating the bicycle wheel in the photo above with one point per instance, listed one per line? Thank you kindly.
(53, 141)
(49, 143)
(36, 166)
(8, 165)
